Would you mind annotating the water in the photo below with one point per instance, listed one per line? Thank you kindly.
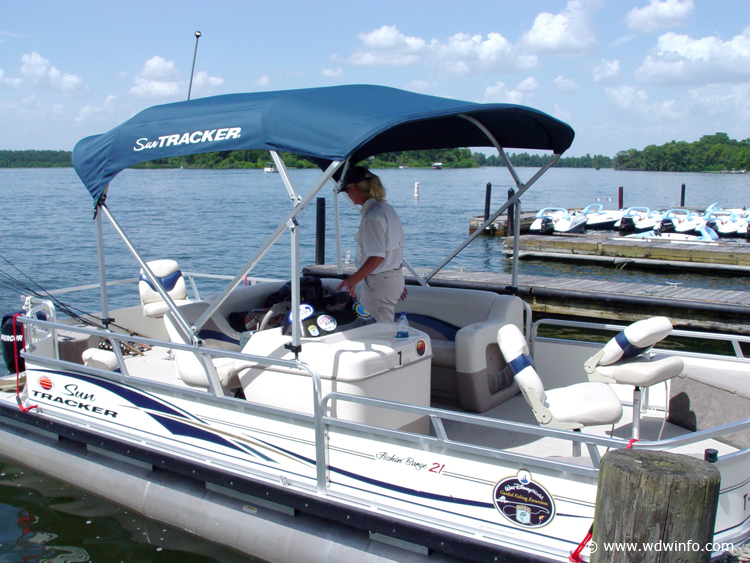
(213, 222)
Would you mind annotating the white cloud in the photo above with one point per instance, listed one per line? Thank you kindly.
(460, 54)
(528, 85)
(421, 86)
(159, 70)
(158, 79)
(37, 71)
(337, 72)
(680, 58)
(161, 79)
(6, 81)
(88, 113)
(203, 82)
(560, 113)
(566, 85)
(607, 71)
(636, 105)
(659, 15)
(731, 103)
(500, 93)
(571, 32)
(388, 46)
(263, 81)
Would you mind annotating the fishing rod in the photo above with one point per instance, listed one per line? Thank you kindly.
(79, 315)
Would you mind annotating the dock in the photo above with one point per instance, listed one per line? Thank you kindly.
(724, 255)
(582, 299)
(498, 226)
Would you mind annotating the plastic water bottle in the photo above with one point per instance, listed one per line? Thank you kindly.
(403, 327)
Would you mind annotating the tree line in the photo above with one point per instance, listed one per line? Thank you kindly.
(712, 153)
(34, 159)
(451, 158)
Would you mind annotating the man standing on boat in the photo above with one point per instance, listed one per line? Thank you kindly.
(380, 242)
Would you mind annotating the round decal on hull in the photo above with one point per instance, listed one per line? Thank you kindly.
(522, 501)
(45, 383)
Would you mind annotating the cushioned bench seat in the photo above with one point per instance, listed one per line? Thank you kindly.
(467, 367)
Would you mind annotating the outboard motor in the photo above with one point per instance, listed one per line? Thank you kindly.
(627, 225)
(11, 352)
(667, 226)
(548, 226)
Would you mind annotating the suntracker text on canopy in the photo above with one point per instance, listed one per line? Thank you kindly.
(324, 124)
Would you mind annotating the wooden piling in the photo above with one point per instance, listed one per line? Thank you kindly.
(654, 506)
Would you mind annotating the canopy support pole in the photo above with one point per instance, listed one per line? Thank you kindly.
(102, 268)
(284, 173)
(521, 189)
(337, 218)
(272, 238)
(149, 274)
(295, 344)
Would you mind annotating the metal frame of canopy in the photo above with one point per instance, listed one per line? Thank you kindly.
(299, 203)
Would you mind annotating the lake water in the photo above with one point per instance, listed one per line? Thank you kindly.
(212, 222)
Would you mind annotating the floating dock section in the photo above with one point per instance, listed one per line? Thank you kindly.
(723, 255)
(498, 226)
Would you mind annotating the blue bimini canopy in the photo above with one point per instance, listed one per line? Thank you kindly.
(323, 124)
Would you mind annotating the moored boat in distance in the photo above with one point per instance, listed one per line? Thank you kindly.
(270, 168)
(637, 220)
(598, 218)
(703, 234)
(726, 223)
(282, 408)
(551, 220)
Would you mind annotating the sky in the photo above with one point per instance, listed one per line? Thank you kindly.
(624, 74)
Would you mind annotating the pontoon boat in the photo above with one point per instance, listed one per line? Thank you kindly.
(279, 419)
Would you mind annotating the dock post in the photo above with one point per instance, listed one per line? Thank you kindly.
(682, 196)
(511, 215)
(320, 231)
(620, 200)
(487, 198)
(654, 506)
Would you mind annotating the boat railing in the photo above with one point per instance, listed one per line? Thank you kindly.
(40, 329)
(439, 438)
(735, 340)
(191, 278)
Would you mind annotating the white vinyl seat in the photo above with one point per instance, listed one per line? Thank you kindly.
(566, 408)
(626, 359)
(169, 275)
(100, 359)
(191, 370)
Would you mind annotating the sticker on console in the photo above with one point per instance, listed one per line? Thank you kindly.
(305, 311)
(327, 323)
(361, 312)
(522, 501)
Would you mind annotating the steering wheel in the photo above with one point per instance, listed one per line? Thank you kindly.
(279, 310)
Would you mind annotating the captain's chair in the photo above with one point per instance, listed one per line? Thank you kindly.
(190, 369)
(626, 359)
(170, 276)
(565, 408)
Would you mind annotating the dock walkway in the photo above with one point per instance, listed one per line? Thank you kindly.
(723, 255)
(582, 298)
